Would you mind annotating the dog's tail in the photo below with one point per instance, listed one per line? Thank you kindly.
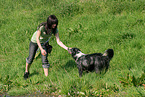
(109, 53)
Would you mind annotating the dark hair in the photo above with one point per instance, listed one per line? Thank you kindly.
(52, 19)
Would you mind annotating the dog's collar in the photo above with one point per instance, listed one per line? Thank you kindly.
(80, 54)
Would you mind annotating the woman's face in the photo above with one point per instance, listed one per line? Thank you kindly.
(53, 26)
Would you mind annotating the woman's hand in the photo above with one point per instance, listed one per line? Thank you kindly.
(43, 52)
(69, 50)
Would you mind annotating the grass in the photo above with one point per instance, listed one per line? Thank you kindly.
(92, 26)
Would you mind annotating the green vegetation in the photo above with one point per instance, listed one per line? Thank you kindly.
(92, 26)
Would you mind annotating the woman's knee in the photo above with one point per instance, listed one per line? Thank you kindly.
(29, 61)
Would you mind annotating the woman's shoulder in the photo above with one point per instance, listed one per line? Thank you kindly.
(42, 25)
(42, 28)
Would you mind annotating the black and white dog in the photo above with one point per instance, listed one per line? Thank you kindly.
(90, 62)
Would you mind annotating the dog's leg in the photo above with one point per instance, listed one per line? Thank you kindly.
(80, 70)
(97, 69)
(107, 66)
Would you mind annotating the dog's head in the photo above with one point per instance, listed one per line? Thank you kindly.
(109, 53)
(74, 51)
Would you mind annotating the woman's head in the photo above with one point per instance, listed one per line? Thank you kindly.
(52, 22)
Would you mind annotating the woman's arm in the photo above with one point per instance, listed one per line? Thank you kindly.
(43, 52)
(59, 42)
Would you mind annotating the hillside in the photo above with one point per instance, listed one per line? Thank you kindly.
(91, 25)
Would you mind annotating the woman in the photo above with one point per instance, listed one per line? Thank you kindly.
(39, 38)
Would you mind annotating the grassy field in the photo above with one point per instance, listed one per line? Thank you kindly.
(91, 25)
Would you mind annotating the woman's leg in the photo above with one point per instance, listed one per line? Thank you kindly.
(27, 67)
(26, 74)
(45, 63)
(32, 51)
(45, 71)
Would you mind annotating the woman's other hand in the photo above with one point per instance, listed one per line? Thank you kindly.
(43, 52)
